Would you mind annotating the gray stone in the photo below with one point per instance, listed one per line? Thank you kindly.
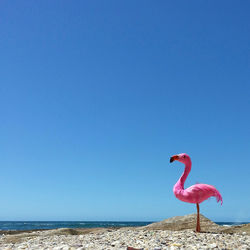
(213, 245)
(184, 222)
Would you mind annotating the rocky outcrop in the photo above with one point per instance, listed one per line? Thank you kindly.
(19, 236)
(178, 223)
(242, 229)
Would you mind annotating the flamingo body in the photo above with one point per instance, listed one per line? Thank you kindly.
(196, 193)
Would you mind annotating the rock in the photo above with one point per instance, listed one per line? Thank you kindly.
(213, 245)
(178, 223)
(176, 245)
(237, 229)
(115, 243)
(132, 248)
(62, 247)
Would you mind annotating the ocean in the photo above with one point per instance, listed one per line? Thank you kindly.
(33, 225)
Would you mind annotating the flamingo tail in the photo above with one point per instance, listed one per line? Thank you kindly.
(218, 196)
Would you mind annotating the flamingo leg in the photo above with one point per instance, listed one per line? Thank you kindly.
(198, 228)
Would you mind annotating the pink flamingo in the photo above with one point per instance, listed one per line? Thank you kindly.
(196, 193)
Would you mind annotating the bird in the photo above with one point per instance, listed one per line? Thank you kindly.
(196, 193)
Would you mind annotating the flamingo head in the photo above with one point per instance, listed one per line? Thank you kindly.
(183, 158)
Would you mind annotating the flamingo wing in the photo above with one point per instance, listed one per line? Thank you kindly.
(200, 192)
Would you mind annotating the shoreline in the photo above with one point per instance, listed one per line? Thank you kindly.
(119, 225)
(173, 233)
(80, 230)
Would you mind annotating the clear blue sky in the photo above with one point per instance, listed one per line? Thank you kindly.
(95, 96)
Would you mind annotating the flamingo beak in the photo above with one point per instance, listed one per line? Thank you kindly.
(174, 158)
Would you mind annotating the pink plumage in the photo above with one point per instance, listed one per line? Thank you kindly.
(196, 193)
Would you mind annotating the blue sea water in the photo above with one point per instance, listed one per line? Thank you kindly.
(32, 225)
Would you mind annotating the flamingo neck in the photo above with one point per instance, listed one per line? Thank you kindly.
(181, 181)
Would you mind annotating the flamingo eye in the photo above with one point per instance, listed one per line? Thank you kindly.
(184, 156)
